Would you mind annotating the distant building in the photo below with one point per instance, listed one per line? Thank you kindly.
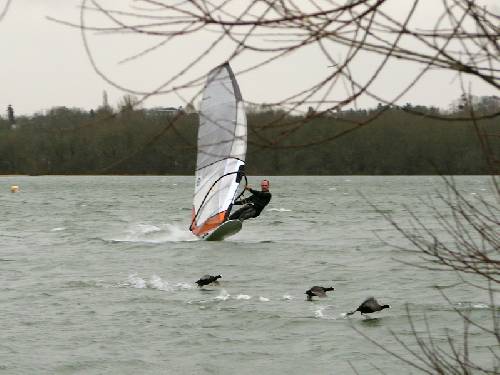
(491, 102)
(105, 103)
(167, 109)
(11, 117)
(482, 103)
(190, 108)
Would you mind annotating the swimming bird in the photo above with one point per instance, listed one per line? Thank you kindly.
(208, 279)
(317, 291)
(370, 305)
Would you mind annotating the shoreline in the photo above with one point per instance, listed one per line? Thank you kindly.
(253, 175)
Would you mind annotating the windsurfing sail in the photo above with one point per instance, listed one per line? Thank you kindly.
(222, 143)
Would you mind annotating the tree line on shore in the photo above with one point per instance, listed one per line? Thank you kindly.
(387, 140)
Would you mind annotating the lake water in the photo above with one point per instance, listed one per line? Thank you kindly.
(97, 277)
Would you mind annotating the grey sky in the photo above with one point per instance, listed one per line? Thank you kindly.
(44, 64)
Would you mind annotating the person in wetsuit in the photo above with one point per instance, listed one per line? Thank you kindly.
(253, 205)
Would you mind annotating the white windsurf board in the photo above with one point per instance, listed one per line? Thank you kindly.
(226, 229)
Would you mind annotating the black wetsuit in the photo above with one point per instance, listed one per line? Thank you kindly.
(253, 205)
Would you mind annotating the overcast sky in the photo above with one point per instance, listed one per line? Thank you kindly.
(44, 64)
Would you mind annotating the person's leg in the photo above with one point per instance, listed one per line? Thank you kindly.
(236, 214)
(248, 213)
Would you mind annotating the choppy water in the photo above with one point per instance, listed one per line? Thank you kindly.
(97, 277)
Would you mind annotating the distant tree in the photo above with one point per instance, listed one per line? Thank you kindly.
(128, 103)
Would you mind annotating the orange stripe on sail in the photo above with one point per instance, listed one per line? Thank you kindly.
(210, 224)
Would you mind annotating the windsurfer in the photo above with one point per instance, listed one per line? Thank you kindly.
(253, 205)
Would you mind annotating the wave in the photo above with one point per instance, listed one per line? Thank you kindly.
(156, 282)
(473, 305)
(281, 209)
(58, 229)
(215, 294)
(80, 284)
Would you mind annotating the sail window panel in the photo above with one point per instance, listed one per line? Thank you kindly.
(239, 147)
(218, 113)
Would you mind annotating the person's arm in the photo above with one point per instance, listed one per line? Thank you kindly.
(257, 193)
(242, 200)
(239, 202)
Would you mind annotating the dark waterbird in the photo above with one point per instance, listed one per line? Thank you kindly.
(208, 279)
(317, 291)
(370, 305)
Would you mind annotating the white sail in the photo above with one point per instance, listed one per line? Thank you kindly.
(222, 143)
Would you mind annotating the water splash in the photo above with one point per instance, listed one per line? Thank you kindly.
(156, 282)
(183, 285)
(136, 281)
(148, 233)
(243, 296)
(319, 313)
(224, 295)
